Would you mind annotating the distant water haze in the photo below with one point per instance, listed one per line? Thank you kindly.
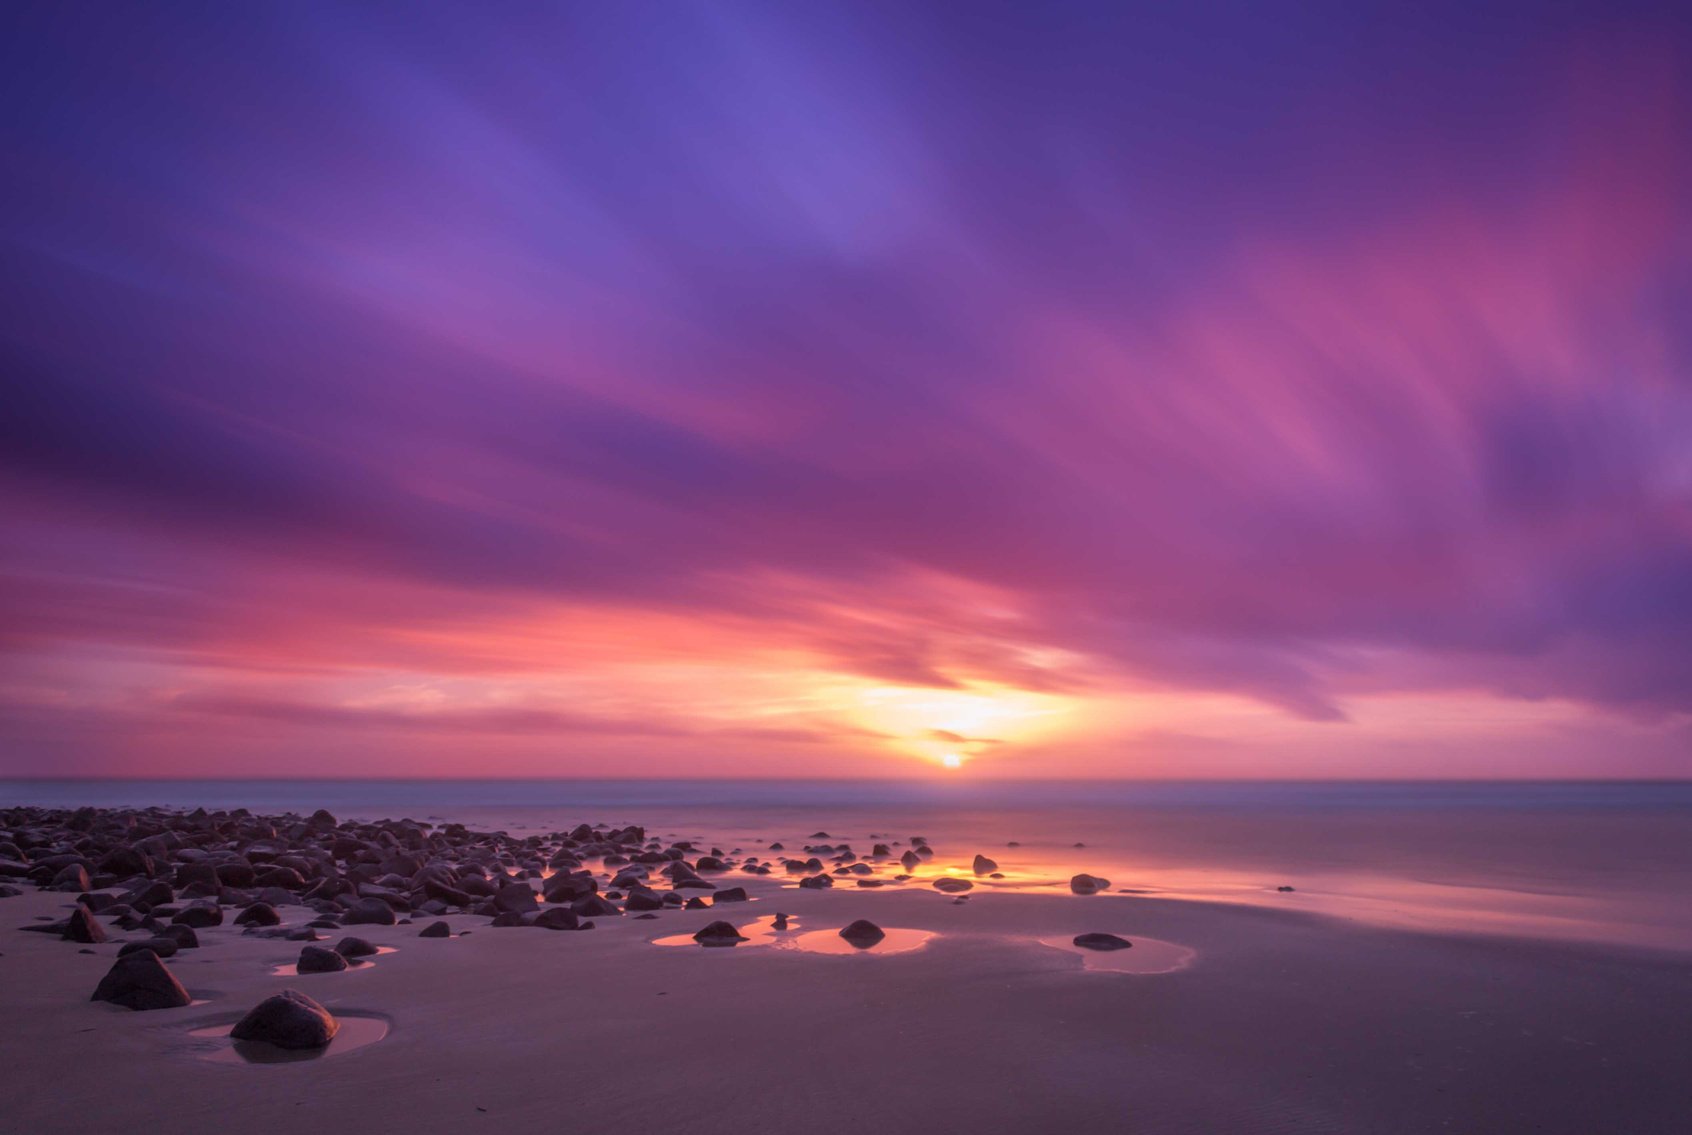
(1601, 861)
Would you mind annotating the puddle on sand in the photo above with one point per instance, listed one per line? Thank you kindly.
(212, 1043)
(1147, 955)
(758, 933)
(897, 941)
(290, 969)
(761, 933)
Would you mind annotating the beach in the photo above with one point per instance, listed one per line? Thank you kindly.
(1255, 1017)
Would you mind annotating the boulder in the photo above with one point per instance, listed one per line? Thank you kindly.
(730, 894)
(1088, 884)
(516, 898)
(556, 918)
(816, 882)
(141, 982)
(288, 1020)
(984, 865)
(952, 885)
(163, 947)
(1101, 941)
(316, 959)
(369, 912)
(199, 916)
(718, 934)
(350, 947)
(81, 927)
(435, 930)
(863, 933)
(259, 914)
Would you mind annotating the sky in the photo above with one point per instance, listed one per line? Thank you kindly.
(770, 389)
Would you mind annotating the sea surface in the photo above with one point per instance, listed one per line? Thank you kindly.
(1587, 861)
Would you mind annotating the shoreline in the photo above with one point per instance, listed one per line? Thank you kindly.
(1371, 1028)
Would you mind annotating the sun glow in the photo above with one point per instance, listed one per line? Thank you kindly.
(952, 760)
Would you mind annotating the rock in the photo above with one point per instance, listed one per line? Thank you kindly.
(1088, 884)
(779, 922)
(984, 865)
(200, 916)
(644, 900)
(435, 930)
(863, 933)
(730, 894)
(259, 914)
(183, 936)
(1101, 941)
(911, 860)
(516, 898)
(557, 918)
(81, 927)
(595, 906)
(952, 885)
(72, 877)
(141, 982)
(350, 947)
(816, 882)
(696, 904)
(163, 947)
(369, 912)
(718, 934)
(315, 959)
(1283, 889)
(288, 1020)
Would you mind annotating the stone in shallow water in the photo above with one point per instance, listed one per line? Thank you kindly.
(718, 934)
(351, 947)
(863, 933)
(141, 982)
(983, 865)
(1101, 941)
(952, 886)
(288, 1020)
(1088, 884)
(316, 959)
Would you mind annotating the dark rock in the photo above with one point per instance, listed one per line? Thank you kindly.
(288, 1020)
(183, 936)
(259, 914)
(81, 927)
(516, 897)
(140, 981)
(595, 907)
(200, 916)
(557, 918)
(435, 930)
(984, 865)
(509, 918)
(696, 904)
(1283, 888)
(1101, 941)
(817, 882)
(952, 885)
(863, 933)
(316, 959)
(911, 860)
(351, 947)
(369, 912)
(779, 922)
(730, 894)
(1088, 884)
(718, 934)
(163, 947)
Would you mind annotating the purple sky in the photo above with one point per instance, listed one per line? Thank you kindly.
(796, 389)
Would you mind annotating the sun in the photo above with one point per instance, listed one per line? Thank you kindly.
(952, 760)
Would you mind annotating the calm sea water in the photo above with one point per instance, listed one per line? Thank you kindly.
(1607, 862)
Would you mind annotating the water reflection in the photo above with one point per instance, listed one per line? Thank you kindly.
(212, 1043)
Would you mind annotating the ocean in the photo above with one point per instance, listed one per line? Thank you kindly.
(1585, 861)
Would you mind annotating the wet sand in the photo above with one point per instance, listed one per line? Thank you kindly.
(1282, 1021)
